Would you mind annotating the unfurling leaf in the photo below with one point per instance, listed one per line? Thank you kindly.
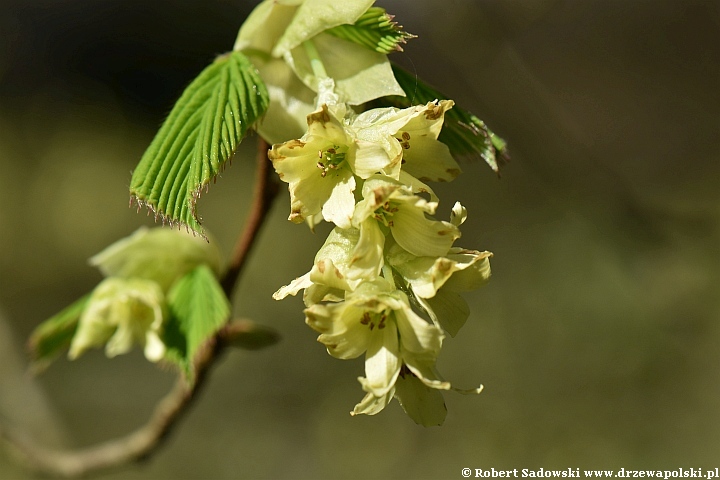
(54, 335)
(158, 254)
(198, 309)
(463, 132)
(202, 132)
(376, 30)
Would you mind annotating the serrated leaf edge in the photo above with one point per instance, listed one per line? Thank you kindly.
(392, 35)
(176, 212)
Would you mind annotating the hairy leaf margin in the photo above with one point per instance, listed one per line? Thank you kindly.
(376, 30)
(199, 136)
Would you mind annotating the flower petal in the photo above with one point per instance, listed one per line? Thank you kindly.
(423, 155)
(367, 256)
(339, 208)
(326, 273)
(384, 122)
(424, 274)
(315, 16)
(360, 74)
(417, 186)
(476, 273)
(154, 347)
(121, 342)
(458, 215)
(417, 336)
(120, 312)
(382, 362)
(342, 333)
(372, 405)
(376, 191)
(265, 25)
(293, 287)
(308, 196)
(322, 293)
(94, 331)
(419, 235)
(295, 160)
(427, 374)
(373, 157)
(430, 123)
(356, 255)
(429, 160)
(291, 101)
(428, 274)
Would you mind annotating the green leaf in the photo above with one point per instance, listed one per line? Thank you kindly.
(463, 132)
(198, 309)
(54, 335)
(375, 30)
(202, 132)
(424, 405)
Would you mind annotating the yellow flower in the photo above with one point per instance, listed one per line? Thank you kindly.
(121, 312)
(377, 320)
(392, 206)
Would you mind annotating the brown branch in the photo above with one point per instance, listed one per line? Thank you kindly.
(266, 189)
(135, 446)
(145, 441)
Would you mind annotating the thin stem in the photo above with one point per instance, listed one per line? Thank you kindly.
(137, 445)
(317, 66)
(145, 441)
(266, 189)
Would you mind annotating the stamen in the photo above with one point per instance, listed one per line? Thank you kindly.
(384, 212)
(404, 141)
(332, 158)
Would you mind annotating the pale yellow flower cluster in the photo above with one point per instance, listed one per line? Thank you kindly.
(387, 282)
(386, 253)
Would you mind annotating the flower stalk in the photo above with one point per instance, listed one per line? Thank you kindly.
(315, 62)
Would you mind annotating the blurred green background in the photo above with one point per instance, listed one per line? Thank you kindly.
(597, 340)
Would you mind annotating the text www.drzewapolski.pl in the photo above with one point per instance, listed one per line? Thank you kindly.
(706, 474)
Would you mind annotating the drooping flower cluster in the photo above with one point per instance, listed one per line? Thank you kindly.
(386, 282)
